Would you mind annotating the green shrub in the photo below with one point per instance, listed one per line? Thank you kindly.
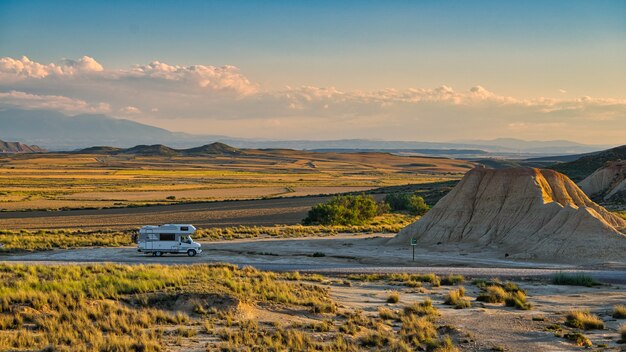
(344, 210)
(452, 279)
(576, 279)
(410, 202)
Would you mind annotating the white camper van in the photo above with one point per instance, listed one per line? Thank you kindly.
(169, 238)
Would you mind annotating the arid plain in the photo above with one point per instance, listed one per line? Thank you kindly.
(68, 251)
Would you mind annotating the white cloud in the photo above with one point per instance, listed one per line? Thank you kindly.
(68, 73)
(22, 100)
(221, 100)
(130, 110)
(21, 69)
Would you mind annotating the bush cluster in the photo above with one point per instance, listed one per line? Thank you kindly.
(345, 210)
(409, 202)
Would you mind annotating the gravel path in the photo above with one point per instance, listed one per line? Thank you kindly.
(343, 254)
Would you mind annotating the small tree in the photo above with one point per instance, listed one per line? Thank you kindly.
(344, 210)
(409, 202)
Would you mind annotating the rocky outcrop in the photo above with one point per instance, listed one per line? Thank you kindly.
(607, 184)
(17, 147)
(524, 212)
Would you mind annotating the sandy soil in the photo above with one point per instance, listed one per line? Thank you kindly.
(486, 326)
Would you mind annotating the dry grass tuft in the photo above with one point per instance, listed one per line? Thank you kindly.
(493, 294)
(578, 339)
(584, 320)
(619, 312)
(457, 299)
(394, 297)
(421, 309)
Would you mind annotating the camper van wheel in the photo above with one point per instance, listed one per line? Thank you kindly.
(191, 252)
(158, 254)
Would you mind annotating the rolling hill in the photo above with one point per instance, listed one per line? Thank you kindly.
(584, 166)
(216, 148)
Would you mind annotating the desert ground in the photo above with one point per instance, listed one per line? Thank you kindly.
(264, 282)
(224, 308)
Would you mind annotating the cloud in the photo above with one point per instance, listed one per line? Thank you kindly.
(68, 73)
(221, 100)
(21, 69)
(130, 110)
(225, 78)
(22, 100)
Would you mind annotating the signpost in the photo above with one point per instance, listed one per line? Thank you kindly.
(413, 244)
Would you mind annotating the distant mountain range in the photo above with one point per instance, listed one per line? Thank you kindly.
(17, 147)
(56, 131)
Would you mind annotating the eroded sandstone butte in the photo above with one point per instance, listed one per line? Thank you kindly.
(526, 213)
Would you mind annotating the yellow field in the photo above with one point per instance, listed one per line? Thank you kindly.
(55, 181)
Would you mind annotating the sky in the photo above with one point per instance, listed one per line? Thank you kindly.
(395, 70)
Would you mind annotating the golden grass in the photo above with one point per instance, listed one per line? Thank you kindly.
(410, 280)
(57, 181)
(457, 299)
(493, 294)
(77, 308)
(26, 240)
(619, 311)
(109, 307)
(424, 308)
(578, 339)
(508, 293)
(584, 320)
(394, 297)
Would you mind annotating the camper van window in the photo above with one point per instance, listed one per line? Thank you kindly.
(184, 228)
(185, 239)
(168, 237)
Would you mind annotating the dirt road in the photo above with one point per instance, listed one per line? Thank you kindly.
(345, 254)
(227, 213)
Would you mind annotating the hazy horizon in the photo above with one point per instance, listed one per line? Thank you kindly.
(407, 71)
